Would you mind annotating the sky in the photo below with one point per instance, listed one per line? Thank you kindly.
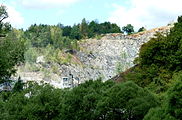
(146, 13)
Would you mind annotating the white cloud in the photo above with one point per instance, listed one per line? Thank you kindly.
(147, 13)
(15, 18)
(40, 4)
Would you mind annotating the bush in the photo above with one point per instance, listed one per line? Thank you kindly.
(31, 55)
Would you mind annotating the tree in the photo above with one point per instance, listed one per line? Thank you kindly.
(126, 101)
(171, 107)
(39, 35)
(93, 29)
(11, 54)
(141, 29)
(129, 29)
(4, 27)
(11, 48)
(56, 37)
(84, 28)
(179, 19)
(159, 59)
(40, 102)
(81, 102)
(3, 13)
(158, 114)
(75, 32)
(105, 27)
(18, 85)
(66, 31)
(89, 29)
(174, 99)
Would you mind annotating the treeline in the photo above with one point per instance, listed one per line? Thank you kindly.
(92, 29)
(40, 36)
(89, 29)
(61, 36)
(66, 37)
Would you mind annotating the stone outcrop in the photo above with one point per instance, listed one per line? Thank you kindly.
(97, 58)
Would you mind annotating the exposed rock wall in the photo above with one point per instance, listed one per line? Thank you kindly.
(98, 58)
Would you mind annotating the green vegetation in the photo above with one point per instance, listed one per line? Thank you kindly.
(40, 36)
(4, 27)
(141, 29)
(151, 90)
(11, 48)
(51, 41)
(129, 29)
(92, 100)
(159, 69)
(159, 59)
(89, 29)
(123, 64)
(171, 108)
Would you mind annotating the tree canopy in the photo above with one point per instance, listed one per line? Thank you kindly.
(92, 100)
(129, 29)
(91, 29)
(11, 48)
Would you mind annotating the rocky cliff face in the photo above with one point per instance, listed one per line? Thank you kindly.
(97, 58)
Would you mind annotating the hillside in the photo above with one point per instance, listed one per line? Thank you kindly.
(104, 58)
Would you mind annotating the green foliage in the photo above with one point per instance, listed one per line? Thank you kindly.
(90, 29)
(56, 37)
(84, 28)
(93, 29)
(31, 55)
(133, 102)
(158, 114)
(18, 85)
(67, 30)
(81, 102)
(4, 27)
(153, 52)
(11, 54)
(98, 37)
(108, 27)
(129, 29)
(47, 40)
(158, 70)
(119, 68)
(75, 32)
(3, 13)
(171, 108)
(11, 48)
(92, 100)
(123, 64)
(39, 35)
(35, 102)
(174, 101)
(158, 60)
(141, 29)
